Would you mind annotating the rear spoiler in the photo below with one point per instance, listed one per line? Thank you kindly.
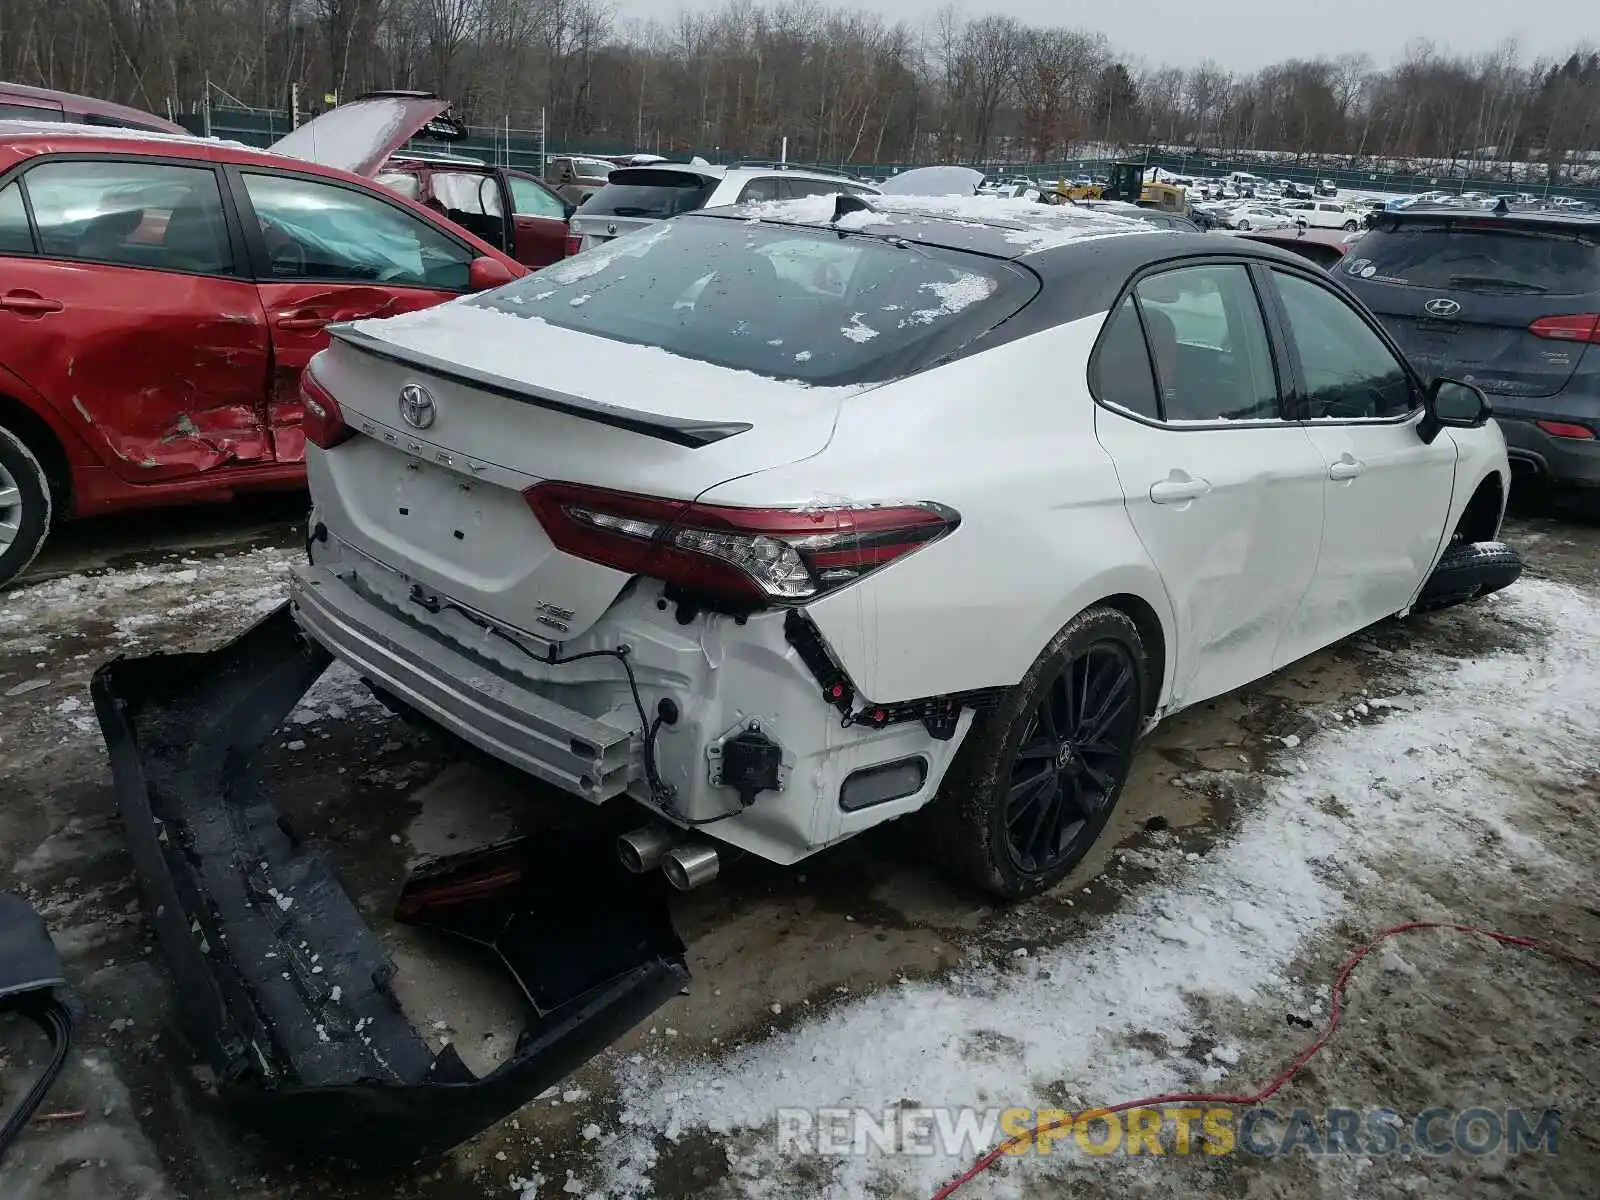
(1523, 220)
(680, 431)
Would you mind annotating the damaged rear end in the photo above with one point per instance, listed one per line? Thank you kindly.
(286, 993)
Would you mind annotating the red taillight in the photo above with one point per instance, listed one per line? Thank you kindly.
(1566, 429)
(765, 555)
(1580, 327)
(574, 244)
(323, 421)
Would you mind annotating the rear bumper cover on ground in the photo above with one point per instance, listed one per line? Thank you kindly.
(283, 989)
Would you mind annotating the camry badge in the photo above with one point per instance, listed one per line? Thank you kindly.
(416, 406)
(1442, 307)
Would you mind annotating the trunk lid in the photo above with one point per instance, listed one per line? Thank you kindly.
(1460, 295)
(511, 402)
(360, 136)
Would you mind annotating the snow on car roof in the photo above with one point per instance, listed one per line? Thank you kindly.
(1025, 224)
(59, 129)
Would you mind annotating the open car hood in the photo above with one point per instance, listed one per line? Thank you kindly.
(360, 136)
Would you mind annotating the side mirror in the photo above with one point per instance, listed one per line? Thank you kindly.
(1451, 404)
(485, 273)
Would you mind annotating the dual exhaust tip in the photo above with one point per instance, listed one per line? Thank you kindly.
(686, 865)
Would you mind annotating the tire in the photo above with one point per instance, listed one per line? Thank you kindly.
(26, 506)
(1014, 829)
(1244, 225)
(1469, 571)
(1351, 227)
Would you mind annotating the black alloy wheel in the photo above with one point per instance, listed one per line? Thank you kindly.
(1072, 758)
(1037, 777)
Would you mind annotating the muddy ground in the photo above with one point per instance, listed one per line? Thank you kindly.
(1456, 1024)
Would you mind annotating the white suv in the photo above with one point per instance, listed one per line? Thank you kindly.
(635, 197)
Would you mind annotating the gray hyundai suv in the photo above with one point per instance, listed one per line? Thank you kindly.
(1508, 300)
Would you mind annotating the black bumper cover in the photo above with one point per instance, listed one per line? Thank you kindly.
(283, 989)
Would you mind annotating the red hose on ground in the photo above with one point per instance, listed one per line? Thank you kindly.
(1335, 1009)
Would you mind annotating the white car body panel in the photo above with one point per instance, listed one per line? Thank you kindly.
(1371, 561)
(1237, 557)
(1039, 540)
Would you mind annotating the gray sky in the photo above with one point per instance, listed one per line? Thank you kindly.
(1245, 34)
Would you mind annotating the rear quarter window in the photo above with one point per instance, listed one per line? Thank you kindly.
(1453, 256)
(642, 192)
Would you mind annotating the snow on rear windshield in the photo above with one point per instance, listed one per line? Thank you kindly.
(812, 305)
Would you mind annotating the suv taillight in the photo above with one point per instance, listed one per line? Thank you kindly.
(323, 421)
(761, 555)
(1580, 327)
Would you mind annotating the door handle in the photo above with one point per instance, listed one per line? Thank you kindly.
(29, 304)
(300, 318)
(1346, 467)
(1177, 489)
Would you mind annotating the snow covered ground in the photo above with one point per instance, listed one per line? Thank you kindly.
(1117, 1015)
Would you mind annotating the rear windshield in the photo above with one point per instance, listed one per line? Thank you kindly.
(641, 192)
(786, 302)
(1447, 255)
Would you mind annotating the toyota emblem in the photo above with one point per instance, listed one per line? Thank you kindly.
(1442, 307)
(416, 406)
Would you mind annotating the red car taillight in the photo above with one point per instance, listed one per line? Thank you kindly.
(574, 244)
(323, 421)
(765, 555)
(1566, 429)
(1580, 327)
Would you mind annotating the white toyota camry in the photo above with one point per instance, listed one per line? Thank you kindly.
(782, 522)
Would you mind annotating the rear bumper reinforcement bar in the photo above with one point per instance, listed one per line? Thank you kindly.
(283, 989)
(576, 753)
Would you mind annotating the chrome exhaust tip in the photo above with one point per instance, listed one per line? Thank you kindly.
(687, 867)
(641, 850)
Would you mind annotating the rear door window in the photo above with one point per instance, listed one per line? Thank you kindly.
(134, 214)
(1458, 256)
(531, 200)
(1209, 344)
(758, 190)
(643, 192)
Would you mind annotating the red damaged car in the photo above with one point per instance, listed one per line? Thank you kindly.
(159, 296)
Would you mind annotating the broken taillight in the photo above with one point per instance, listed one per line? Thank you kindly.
(323, 420)
(764, 555)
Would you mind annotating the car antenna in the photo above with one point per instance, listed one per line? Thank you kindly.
(844, 204)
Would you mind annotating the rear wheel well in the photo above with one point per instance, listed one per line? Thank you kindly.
(1155, 642)
(1480, 520)
(34, 433)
